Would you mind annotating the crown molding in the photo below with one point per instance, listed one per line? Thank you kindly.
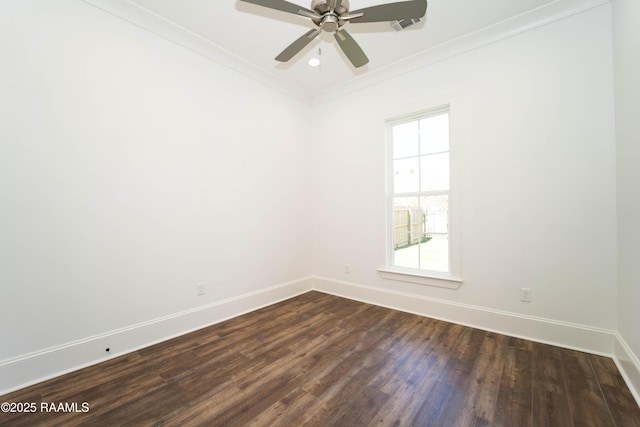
(551, 12)
(174, 33)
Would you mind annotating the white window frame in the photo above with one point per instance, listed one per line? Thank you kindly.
(451, 279)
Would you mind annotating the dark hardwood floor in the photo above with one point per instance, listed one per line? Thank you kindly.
(320, 360)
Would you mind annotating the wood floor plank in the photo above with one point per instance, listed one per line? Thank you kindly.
(623, 407)
(583, 391)
(283, 412)
(550, 401)
(485, 379)
(413, 353)
(351, 394)
(322, 360)
(514, 406)
(362, 409)
(142, 410)
(458, 382)
(426, 385)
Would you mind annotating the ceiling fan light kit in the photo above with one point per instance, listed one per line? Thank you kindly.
(331, 15)
(315, 60)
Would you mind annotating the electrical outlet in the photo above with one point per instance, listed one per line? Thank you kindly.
(525, 295)
(200, 289)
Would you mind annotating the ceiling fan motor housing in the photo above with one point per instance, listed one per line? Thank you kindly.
(322, 6)
(329, 22)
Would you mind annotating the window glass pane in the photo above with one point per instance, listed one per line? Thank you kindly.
(408, 231)
(405, 140)
(436, 210)
(402, 219)
(406, 178)
(407, 257)
(434, 249)
(434, 253)
(434, 134)
(434, 172)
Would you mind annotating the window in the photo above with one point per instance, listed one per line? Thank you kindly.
(418, 200)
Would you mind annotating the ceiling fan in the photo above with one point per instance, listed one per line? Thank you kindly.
(331, 15)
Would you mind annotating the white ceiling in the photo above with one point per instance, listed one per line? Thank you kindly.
(251, 36)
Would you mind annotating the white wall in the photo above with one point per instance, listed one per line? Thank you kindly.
(535, 154)
(132, 169)
(626, 38)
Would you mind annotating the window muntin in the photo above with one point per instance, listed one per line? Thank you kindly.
(419, 201)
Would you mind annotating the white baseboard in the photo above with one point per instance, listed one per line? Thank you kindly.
(628, 365)
(29, 369)
(562, 334)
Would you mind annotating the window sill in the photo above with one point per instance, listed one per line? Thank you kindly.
(421, 279)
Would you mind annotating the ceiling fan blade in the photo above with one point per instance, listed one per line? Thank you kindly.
(351, 49)
(391, 12)
(282, 5)
(297, 45)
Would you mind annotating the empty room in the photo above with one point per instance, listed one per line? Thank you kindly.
(330, 212)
